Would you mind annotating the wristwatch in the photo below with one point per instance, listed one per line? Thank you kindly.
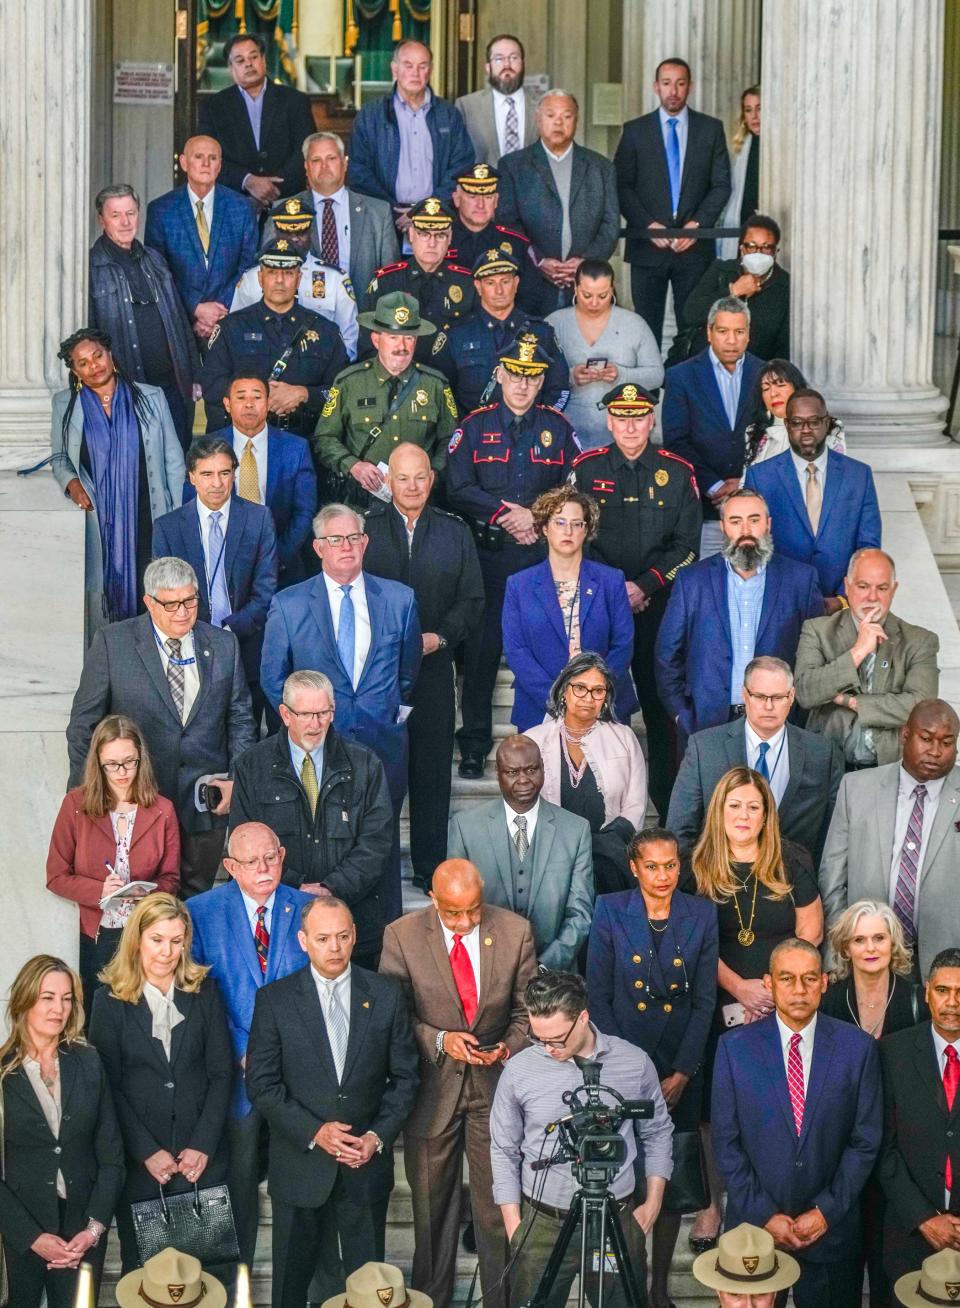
(441, 642)
(96, 1229)
(378, 1141)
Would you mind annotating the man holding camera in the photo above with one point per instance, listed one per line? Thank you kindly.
(535, 1200)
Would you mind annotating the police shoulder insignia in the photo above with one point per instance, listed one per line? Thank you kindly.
(214, 334)
(456, 294)
(348, 286)
(546, 438)
(451, 403)
(333, 400)
(455, 440)
(661, 477)
(439, 343)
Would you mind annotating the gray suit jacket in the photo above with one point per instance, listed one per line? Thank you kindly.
(906, 672)
(859, 853)
(529, 200)
(477, 112)
(123, 673)
(559, 899)
(816, 770)
(373, 237)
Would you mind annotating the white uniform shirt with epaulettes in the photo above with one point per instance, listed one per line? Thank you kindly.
(323, 288)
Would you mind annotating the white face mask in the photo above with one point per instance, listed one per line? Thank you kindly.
(757, 264)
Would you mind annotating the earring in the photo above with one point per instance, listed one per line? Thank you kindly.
(563, 703)
(77, 385)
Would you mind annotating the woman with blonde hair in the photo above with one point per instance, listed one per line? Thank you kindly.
(745, 173)
(765, 891)
(62, 1171)
(112, 829)
(160, 1027)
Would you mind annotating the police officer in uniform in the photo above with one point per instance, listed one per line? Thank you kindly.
(376, 404)
(467, 352)
(650, 521)
(323, 288)
(444, 289)
(500, 459)
(475, 199)
(299, 351)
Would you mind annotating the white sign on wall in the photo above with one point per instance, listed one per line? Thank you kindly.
(135, 83)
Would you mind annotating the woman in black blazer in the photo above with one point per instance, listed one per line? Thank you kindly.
(62, 1151)
(161, 1030)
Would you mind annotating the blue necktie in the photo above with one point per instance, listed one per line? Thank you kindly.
(762, 760)
(219, 599)
(673, 163)
(346, 640)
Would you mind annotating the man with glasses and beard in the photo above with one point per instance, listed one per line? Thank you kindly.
(499, 118)
(724, 611)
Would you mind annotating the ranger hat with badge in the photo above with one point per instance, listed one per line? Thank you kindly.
(526, 357)
(280, 253)
(378, 1285)
(170, 1279)
(479, 179)
(746, 1261)
(397, 314)
(431, 215)
(292, 215)
(938, 1281)
(494, 261)
(628, 401)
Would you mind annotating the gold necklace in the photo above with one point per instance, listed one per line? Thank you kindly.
(746, 936)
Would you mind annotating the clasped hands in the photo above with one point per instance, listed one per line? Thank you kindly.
(59, 1253)
(518, 521)
(162, 1165)
(351, 1150)
(797, 1232)
(941, 1231)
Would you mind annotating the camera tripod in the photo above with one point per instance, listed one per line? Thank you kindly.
(591, 1206)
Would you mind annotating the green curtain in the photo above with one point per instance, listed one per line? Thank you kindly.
(371, 31)
(217, 20)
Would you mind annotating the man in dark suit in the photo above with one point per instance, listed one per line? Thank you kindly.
(803, 769)
(796, 1120)
(433, 553)
(464, 967)
(706, 407)
(921, 1139)
(206, 233)
(275, 469)
(231, 546)
(673, 170)
(260, 124)
(246, 933)
(562, 195)
(824, 504)
(332, 1065)
(365, 635)
(184, 684)
(726, 610)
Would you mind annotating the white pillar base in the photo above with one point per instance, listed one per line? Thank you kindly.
(892, 418)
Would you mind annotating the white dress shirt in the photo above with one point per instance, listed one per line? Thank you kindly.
(408, 527)
(259, 455)
(191, 672)
(683, 126)
(531, 815)
(800, 467)
(806, 1045)
(500, 111)
(361, 628)
(940, 1046)
(471, 943)
(905, 802)
(251, 906)
(341, 985)
(778, 758)
(341, 216)
(207, 202)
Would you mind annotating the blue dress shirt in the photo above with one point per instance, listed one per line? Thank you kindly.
(744, 602)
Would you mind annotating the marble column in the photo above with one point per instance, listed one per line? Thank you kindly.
(851, 152)
(45, 215)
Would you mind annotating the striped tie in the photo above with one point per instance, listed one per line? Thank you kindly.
(795, 1080)
(905, 891)
(262, 938)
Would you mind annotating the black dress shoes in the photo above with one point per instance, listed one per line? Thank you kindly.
(471, 766)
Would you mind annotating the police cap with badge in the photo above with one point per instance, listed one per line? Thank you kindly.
(479, 179)
(293, 216)
(494, 261)
(628, 401)
(525, 357)
(280, 253)
(431, 215)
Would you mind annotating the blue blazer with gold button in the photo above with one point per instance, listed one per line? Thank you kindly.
(667, 1011)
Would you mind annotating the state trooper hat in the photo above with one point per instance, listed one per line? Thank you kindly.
(397, 314)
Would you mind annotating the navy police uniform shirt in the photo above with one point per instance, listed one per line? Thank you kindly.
(256, 338)
(466, 248)
(444, 296)
(467, 353)
(649, 512)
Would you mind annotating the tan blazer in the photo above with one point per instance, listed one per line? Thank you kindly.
(414, 952)
(478, 114)
(906, 672)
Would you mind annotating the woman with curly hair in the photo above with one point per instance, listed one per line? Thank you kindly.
(564, 605)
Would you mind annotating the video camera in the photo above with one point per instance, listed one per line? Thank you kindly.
(590, 1138)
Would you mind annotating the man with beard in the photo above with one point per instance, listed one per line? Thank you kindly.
(499, 119)
(726, 610)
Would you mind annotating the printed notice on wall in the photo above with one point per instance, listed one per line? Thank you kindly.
(142, 83)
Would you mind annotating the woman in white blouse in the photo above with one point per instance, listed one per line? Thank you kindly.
(745, 173)
(603, 345)
(766, 434)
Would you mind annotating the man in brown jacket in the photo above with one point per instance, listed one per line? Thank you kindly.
(464, 966)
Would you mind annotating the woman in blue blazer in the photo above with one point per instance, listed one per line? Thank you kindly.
(564, 605)
(652, 980)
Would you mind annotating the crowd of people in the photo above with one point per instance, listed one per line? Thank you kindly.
(282, 617)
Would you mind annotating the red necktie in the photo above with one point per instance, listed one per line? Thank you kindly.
(951, 1079)
(329, 244)
(795, 1080)
(464, 978)
(261, 938)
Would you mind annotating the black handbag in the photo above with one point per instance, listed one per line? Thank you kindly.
(198, 1223)
(687, 1190)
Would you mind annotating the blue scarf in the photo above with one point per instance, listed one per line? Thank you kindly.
(114, 448)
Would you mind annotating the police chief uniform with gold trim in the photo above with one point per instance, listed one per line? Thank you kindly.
(650, 521)
(466, 245)
(497, 458)
(370, 411)
(445, 295)
(288, 344)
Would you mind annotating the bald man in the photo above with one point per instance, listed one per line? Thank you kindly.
(463, 965)
(207, 234)
(433, 552)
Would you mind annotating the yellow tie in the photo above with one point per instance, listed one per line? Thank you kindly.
(203, 231)
(308, 775)
(249, 481)
(814, 497)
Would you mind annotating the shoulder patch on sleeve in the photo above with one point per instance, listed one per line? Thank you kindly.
(348, 287)
(213, 335)
(589, 454)
(439, 343)
(333, 399)
(451, 402)
(455, 440)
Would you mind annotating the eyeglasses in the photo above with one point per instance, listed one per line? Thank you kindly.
(581, 690)
(248, 864)
(174, 606)
(556, 1044)
(305, 715)
(529, 770)
(575, 524)
(769, 701)
(507, 59)
(751, 247)
(121, 765)
(352, 539)
(806, 424)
